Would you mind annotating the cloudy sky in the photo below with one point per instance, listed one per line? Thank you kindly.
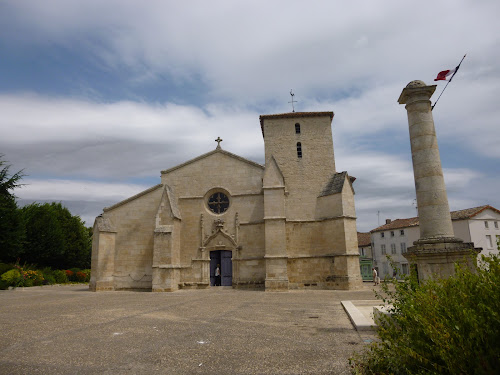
(97, 97)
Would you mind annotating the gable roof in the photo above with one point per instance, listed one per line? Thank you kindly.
(471, 212)
(336, 184)
(455, 215)
(398, 224)
(364, 239)
(121, 203)
(217, 150)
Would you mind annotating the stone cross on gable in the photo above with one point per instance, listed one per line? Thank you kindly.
(218, 140)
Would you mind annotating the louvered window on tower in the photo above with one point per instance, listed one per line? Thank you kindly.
(299, 150)
(297, 128)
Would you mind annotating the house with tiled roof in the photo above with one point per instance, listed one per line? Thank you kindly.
(479, 225)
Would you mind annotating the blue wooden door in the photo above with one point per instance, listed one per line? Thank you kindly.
(226, 268)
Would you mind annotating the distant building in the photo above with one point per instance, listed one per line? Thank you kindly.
(480, 225)
(365, 255)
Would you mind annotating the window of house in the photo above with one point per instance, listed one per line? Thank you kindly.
(297, 128)
(404, 267)
(403, 247)
(393, 248)
(486, 224)
(489, 242)
(402, 232)
(392, 233)
(496, 224)
(363, 252)
(382, 248)
(382, 234)
(299, 150)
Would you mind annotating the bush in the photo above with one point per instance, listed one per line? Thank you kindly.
(13, 278)
(69, 274)
(73, 276)
(87, 275)
(32, 278)
(447, 326)
(60, 276)
(49, 280)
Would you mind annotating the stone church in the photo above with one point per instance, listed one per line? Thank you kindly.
(288, 224)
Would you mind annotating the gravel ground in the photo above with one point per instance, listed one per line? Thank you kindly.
(70, 330)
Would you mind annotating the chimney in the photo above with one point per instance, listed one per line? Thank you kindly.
(388, 221)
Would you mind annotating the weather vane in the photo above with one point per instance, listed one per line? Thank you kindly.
(293, 101)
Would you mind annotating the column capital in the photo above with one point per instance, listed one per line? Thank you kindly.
(416, 90)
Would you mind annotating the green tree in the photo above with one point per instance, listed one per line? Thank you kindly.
(11, 223)
(44, 236)
(55, 238)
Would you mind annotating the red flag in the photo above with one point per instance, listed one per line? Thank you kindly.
(443, 76)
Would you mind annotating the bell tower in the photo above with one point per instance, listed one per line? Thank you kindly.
(302, 146)
(299, 163)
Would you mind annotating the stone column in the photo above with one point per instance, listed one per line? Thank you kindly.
(433, 208)
(437, 249)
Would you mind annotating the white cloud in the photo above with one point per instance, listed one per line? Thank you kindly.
(352, 58)
(249, 51)
(74, 190)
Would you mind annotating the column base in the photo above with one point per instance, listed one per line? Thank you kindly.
(435, 258)
(99, 286)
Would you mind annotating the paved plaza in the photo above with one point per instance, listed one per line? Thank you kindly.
(70, 330)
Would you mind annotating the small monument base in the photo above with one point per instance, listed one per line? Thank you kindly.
(435, 258)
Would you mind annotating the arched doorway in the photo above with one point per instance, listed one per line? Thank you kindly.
(222, 257)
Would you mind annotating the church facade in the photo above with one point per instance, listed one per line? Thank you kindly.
(288, 224)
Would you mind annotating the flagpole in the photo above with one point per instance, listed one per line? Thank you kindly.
(453, 75)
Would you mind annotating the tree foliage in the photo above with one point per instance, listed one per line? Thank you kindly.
(447, 326)
(11, 224)
(42, 234)
(54, 237)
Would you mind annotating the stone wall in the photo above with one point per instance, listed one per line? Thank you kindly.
(305, 177)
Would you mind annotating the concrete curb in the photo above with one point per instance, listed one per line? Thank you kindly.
(360, 322)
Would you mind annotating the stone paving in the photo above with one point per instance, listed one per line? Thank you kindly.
(70, 330)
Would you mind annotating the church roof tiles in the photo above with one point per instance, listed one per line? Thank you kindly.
(336, 184)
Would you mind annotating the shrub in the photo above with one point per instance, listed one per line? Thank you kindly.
(87, 275)
(60, 276)
(447, 326)
(49, 279)
(4, 267)
(32, 278)
(73, 276)
(69, 275)
(13, 278)
(81, 276)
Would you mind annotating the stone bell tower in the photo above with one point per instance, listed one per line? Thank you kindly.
(306, 240)
(437, 250)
